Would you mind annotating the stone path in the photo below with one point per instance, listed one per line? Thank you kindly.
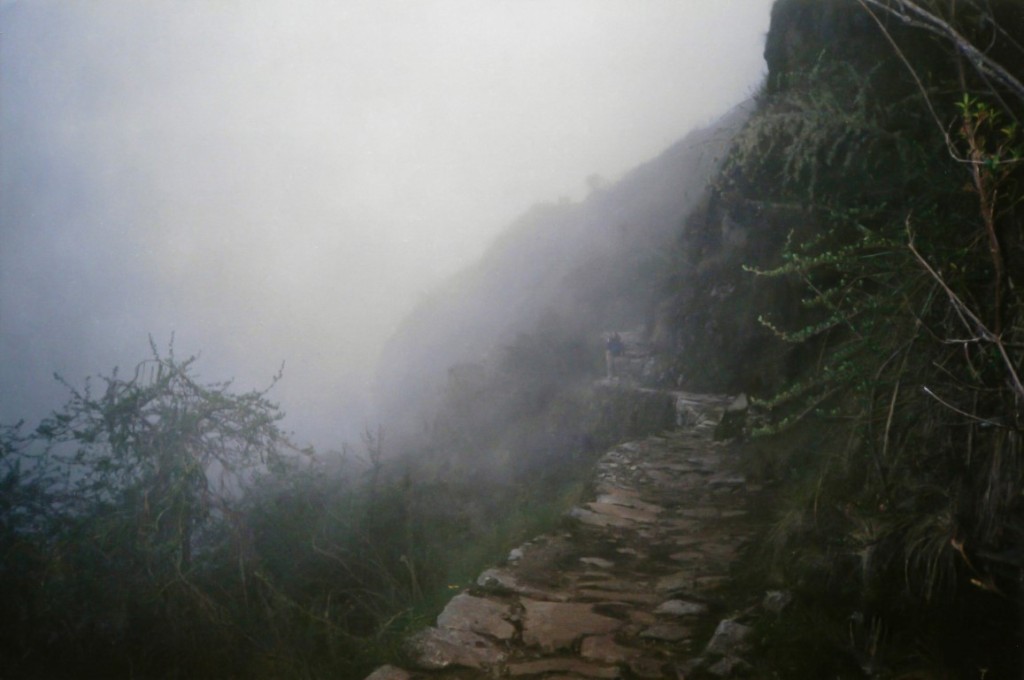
(631, 589)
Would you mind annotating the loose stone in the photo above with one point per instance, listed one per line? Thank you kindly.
(730, 638)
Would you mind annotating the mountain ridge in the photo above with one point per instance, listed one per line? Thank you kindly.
(562, 260)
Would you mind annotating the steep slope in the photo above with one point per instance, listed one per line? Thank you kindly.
(580, 268)
(854, 265)
(858, 269)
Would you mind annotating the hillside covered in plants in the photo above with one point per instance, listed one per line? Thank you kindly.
(859, 262)
(846, 249)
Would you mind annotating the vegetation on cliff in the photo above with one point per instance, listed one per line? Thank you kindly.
(887, 145)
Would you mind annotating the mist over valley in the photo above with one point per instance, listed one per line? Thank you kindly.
(286, 184)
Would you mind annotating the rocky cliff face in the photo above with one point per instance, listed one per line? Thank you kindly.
(851, 182)
(669, 248)
(663, 250)
(829, 57)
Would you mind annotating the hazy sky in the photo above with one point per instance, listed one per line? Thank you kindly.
(281, 180)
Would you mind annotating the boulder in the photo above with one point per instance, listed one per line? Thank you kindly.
(730, 638)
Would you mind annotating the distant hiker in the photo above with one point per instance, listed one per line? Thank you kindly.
(613, 348)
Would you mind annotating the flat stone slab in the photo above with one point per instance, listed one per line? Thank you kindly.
(729, 666)
(501, 580)
(674, 582)
(478, 615)
(615, 585)
(594, 519)
(681, 608)
(566, 664)
(687, 541)
(623, 511)
(557, 625)
(659, 477)
(700, 513)
(685, 468)
(437, 648)
(598, 562)
(630, 502)
(680, 526)
(705, 583)
(666, 632)
(595, 594)
(617, 491)
(720, 551)
(688, 556)
(642, 618)
(389, 673)
(727, 480)
(604, 648)
(647, 667)
(692, 480)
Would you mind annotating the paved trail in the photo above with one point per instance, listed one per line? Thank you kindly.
(629, 590)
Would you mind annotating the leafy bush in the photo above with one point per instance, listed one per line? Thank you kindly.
(125, 499)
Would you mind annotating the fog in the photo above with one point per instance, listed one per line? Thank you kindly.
(282, 181)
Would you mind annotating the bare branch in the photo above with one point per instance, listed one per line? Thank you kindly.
(912, 13)
(971, 416)
(966, 315)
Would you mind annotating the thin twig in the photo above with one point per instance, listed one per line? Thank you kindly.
(966, 314)
(950, 147)
(937, 26)
(983, 421)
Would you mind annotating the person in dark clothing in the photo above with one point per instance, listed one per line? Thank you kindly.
(614, 348)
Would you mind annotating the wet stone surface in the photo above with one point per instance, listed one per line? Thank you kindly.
(627, 589)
